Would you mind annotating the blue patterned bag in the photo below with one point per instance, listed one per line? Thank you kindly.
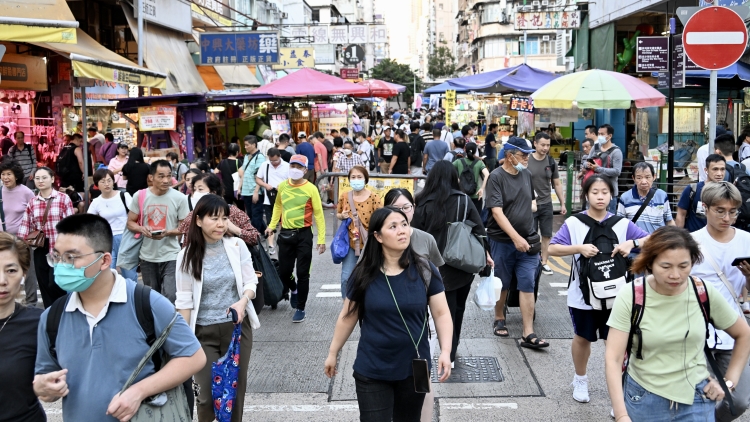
(340, 243)
(226, 374)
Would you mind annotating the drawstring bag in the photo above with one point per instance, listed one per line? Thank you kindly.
(340, 244)
(226, 374)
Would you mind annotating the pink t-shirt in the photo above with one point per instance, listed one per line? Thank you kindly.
(320, 150)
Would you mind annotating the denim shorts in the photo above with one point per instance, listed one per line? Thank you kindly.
(644, 406)
(509, 261)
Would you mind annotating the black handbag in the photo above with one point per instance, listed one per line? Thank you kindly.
(535, 244)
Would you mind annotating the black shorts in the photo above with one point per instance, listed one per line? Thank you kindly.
(543, 219)
(586, 323)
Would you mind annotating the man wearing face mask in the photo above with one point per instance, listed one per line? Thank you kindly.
(606, 159)
(269, 177)
(296, 205)
(347, 159)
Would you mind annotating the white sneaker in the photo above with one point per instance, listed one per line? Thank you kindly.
(746, 308)
(580, 390)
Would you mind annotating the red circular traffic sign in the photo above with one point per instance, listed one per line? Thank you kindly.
(715, 37)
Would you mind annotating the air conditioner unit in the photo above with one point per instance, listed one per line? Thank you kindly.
(545, 3)
(535, 3)
(545, 37)
(284, 15)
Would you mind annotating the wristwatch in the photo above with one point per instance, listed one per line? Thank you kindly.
(730, 384)
(635, 243)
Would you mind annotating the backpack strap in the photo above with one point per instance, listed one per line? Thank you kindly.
(145, 316)
(122, 198)
(2, 210)
(636, 316)
(54, 316)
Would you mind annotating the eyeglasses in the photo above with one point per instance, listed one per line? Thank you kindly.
(733, 213)
(522, 156)
(405, 208)
(66, 258)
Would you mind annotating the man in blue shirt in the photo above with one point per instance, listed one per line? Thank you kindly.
(99, 340)
(724, 145)
(305, 148)
(657, 212)
(434, 151)
(690, 211)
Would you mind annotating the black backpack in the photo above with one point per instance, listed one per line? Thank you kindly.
(466, 179)
(456, 155)
(601, 276)
(67, 161)
(739, 177)
(416, 145)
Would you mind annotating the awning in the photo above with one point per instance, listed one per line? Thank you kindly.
(211, 78)
(37, 21)
(92, 60)
(237, 77)
(166, 52)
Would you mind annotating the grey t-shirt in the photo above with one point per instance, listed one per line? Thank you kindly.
(424, 244)
(162, 212)
(512, 193)
(611, 164)
(542, 174)
(219, 286)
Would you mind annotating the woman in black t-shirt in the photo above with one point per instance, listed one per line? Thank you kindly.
(401, 159)
(226, 170)
(18, 337)
(136, 172)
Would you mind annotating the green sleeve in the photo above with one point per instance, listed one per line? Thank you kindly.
(723, 313)
(320, 219)
(620, 317)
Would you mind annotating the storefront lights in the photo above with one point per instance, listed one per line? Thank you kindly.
(215, 109)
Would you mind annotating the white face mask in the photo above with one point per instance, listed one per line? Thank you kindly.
(296, 174)
(197, 196)
(347, 151)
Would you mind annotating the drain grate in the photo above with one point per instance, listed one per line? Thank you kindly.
(472, 370)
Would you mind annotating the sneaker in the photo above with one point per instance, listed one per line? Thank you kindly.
(546, 270)
(293, 301)
(299, 316)
(271, 250)
(581, 389)
(746, 308)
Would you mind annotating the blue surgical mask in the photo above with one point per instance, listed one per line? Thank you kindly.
(518, 166)
(357, 185)
(601, 140)
(72, 279)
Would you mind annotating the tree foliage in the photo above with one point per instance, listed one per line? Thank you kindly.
(442, 64)
(390, 71)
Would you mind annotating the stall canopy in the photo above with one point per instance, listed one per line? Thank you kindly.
(381, 89)
(37, 21)
(521, 78)
(441, 88)
(235, 77)
(91, 60)
(311, 83)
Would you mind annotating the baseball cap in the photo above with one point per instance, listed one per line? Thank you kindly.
(299, 159)
(302, 135)
(386, 128)
(514, 142)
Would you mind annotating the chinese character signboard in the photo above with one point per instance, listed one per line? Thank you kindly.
(349, 73)
(157, 118)
(522, 104)
(319, 34)
(547, 20)
(325, 54)
(296, 57)
(23, 72)
(101, 94)
(652, 54)
(233, 48)
(449, 103)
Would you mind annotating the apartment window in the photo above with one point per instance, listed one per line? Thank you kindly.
(440, 6)
(494, 47)
(491, 13)
(532, 46)
(545, 47)
(316, 15)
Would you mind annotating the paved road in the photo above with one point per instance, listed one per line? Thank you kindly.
(287, 384)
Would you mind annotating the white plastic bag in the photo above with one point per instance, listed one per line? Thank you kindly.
(486, 296)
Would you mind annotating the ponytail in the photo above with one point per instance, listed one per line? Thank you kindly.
(471, 150)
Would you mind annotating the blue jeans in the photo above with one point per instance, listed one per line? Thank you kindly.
(255, 212)
(347, 267)
(644, 406)
(509, 261)
(129, 274)
(612, 205)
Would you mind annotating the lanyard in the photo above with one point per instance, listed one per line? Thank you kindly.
(402, 318)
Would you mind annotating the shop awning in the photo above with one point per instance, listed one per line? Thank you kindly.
(166, 52)
(441, 88)
(211, 78)
(92, 60)
(521, 78)
(37, 21)
(237, 77)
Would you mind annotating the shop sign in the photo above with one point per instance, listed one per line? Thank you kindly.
(296, 57)
(280, 124)
(522, 104)
(174, 14)
(204, 11)
(102, 94)
(652, 54)
(23, 72)
(323, 111)
(232, 48)
(325, 54)
(342, 34)
(157, 118)
(548, 20)
(349, 73)
(449, 103)
(353, 54)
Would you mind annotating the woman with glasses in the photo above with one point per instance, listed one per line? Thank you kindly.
(34, 219)
(112, 206)
(365, 203)
(442, 202)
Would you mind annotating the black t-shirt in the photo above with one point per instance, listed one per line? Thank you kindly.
(227, 168)
(402, 152)
(489, 150)
(18, 351)
(285, 155)
(137, 175)
(5, 145)
(386, 148)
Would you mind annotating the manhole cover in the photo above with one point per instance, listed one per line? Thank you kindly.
(472, 369)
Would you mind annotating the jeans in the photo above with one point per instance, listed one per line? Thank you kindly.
(160, 276)
(644, 406)
(457, 305)
(255, 212)
(129, 274)
(612, 205)
(509, 261)
(741, 394)
(386, 401)
(45, 276)
(347, 267)
(30, 286)
(296, 246)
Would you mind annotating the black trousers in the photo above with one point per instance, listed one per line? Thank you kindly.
(295, 246)
(457, 305)
(386, 401)
(45, 276)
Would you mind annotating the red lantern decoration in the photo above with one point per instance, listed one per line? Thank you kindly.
(646, 29)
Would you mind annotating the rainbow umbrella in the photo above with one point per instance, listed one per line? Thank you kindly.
(598, 89)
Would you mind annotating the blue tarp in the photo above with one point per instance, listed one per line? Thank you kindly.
(439, 89)
(521, 78)
(740, 70)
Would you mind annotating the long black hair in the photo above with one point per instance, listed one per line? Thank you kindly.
(136, 156)
(370, 266)
(441, 181)
(471, 149)
(195, 246)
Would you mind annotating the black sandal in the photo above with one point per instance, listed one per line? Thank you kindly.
(499, 325)
(529, 343)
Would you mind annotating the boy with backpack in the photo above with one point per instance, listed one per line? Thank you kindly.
(472, 175)
(691, 214)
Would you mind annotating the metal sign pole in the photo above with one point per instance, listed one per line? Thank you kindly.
(712, 92)
(85, 148)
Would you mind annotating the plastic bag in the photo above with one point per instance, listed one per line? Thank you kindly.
(486, 296)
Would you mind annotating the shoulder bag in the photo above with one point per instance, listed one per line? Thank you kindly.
(645, 203)
(272, 192)
(128, 256)
(36, 238)
(463, 250)
(170, 405)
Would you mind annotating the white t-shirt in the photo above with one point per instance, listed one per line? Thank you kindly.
(112, 210)
(276, 175)
(723, 254)
(744, 152)
(701, 156)
(447, 137)
(364, 152)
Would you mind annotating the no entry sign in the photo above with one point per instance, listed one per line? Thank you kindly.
(715, 37)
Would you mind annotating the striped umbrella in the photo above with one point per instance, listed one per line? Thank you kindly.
(598, 89)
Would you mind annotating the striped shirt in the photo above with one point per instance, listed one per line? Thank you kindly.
(26, 158)
(296, 206)
(655, 215)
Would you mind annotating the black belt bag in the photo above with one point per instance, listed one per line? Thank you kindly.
(289, 235)
(535, 244)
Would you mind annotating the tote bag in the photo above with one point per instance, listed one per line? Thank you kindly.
(225, 374)
(463, 250)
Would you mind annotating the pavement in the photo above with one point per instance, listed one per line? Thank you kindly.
(286, 382)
